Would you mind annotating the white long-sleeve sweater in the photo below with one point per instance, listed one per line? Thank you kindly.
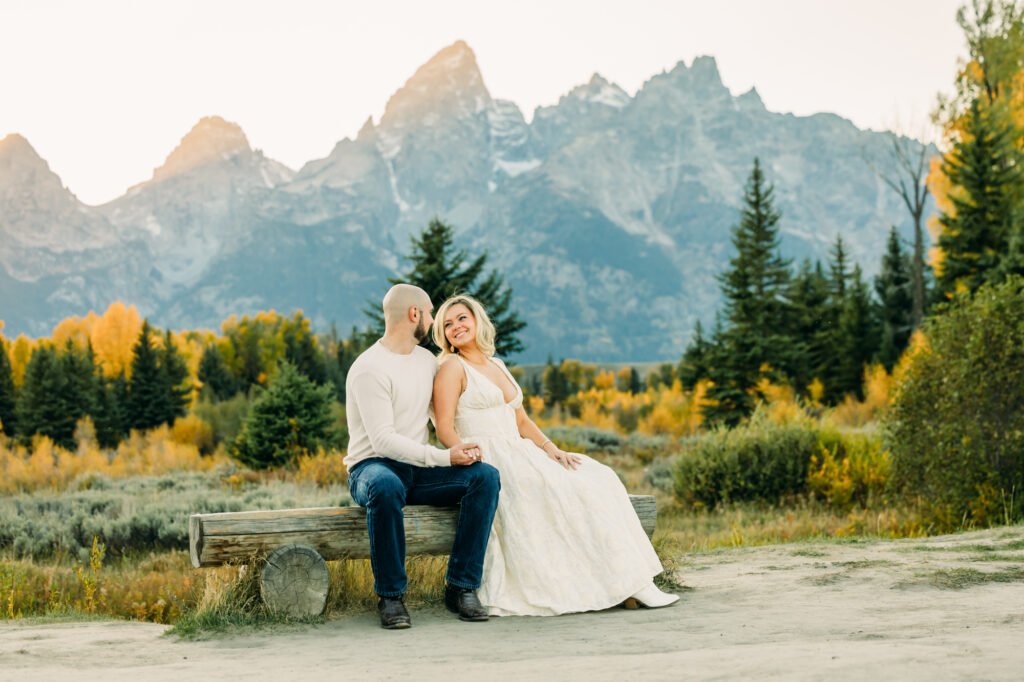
(387, 402)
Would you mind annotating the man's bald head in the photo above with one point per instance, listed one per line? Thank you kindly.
(400, 298)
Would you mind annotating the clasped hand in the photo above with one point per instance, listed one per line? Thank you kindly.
(465, 454)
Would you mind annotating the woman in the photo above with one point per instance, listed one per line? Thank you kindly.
(565, 537)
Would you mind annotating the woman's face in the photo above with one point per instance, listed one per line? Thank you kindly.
(460, 326)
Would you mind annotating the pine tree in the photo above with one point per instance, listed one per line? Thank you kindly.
(628, 381)
(79, 398)
(838, 268)
(291, 417)
(754, 287)
(835, 367)
(40, 406)
(175, 371)
(301, 348)
(108, 416)
(149, 397)
(728, 400)
(556, 388)
(859, 336)
(217, 380)
(986, 169)
(808, 324)
(8, 394)
(247, 361)
(635, 385)
(440, 269)
(893, 286)
(694, 364)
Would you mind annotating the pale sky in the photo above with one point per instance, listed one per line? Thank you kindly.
(105, 89)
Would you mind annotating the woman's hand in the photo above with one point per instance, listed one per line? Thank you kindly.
(566, 459)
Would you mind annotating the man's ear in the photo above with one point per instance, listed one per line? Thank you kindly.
(412, 314)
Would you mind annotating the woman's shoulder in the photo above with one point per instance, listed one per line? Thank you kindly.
(451, 366)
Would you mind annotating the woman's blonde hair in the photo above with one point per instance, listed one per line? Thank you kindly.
(484, 327)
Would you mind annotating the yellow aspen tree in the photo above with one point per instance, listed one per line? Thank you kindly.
(75, 328)
(113, 335)
(21, 351)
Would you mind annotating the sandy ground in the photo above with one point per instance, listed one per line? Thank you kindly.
(908, 609)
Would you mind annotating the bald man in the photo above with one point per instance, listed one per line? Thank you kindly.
(391, 464)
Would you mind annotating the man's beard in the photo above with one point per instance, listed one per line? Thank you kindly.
(421, 331)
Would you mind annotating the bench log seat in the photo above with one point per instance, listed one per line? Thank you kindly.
(334, 532)
(294, 544)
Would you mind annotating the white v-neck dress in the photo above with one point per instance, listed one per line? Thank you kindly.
(563, 540)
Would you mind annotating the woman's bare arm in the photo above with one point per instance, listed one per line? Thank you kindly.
(449, 383)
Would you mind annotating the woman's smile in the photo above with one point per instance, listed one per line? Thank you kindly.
(459, 325)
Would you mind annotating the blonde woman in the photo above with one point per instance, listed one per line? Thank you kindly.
(565, 537)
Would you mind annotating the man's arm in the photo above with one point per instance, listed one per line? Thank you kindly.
(377, 413)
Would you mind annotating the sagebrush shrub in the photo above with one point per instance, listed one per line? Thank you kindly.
(757, 460)
(141, 513)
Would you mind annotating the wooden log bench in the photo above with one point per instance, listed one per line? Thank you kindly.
(297, 543)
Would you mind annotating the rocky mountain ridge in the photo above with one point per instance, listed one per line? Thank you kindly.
(608, 213)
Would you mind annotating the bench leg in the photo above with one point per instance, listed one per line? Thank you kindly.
(295, 581)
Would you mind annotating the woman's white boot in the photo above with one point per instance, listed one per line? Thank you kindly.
(651, 597)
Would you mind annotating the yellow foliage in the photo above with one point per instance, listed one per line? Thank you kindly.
(855, 414)
(192, 430)
(534, 405)
(323, 468)
(674, 412)
(918, 344)
(816, 391)
(113, 336)
(857, 478)
(877, 386)
(20, 352)
(45, 465)
(74, 328)
(604, 379)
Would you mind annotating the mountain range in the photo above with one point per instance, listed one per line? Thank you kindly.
(609, 214)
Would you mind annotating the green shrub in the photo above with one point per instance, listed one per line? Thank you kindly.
(224, 417)
(849, 470)
(758, 460)
(292, 417)
(956, 425)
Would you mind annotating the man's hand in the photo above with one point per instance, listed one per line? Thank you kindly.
(465, 454)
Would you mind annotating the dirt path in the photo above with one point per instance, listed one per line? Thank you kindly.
(944, 608)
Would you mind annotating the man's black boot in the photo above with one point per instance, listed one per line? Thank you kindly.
(393, 614)
(465, 603)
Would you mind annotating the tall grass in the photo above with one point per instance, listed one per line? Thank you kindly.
(155, 587)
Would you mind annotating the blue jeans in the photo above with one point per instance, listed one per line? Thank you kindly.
(384, 486)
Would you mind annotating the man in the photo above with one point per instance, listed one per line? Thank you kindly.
(390, 463)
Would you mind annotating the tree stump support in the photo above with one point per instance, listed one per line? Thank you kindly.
(295, 580)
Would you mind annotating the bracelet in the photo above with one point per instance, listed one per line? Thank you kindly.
(545, 443)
